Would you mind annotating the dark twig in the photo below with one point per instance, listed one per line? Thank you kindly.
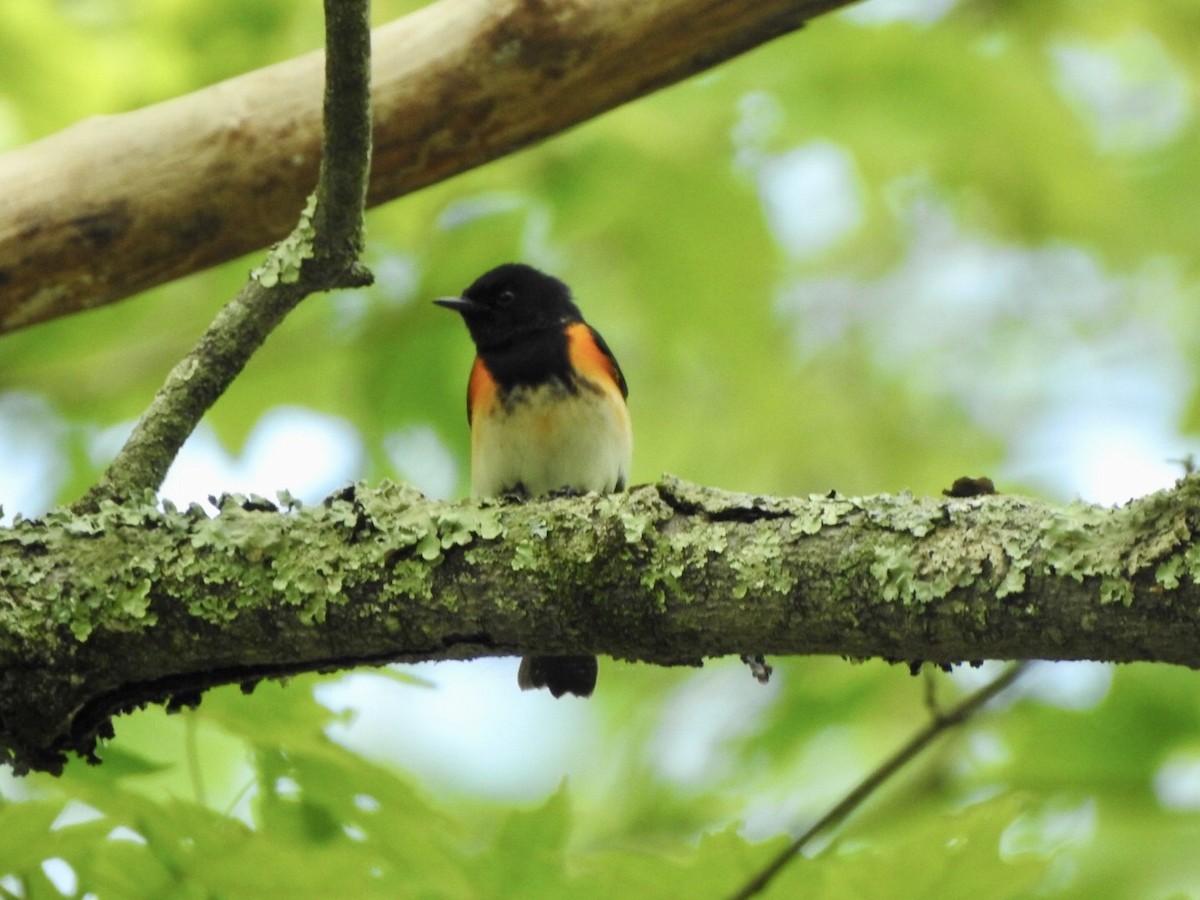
(848, 804)
(319, 255)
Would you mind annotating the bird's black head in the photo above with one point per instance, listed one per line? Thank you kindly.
(511, 301)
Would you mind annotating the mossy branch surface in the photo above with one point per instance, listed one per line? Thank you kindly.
(106, 610)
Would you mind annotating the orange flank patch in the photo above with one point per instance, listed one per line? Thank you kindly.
(589, 359)
(481, 391)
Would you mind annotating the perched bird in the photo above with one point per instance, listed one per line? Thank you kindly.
(546, 405)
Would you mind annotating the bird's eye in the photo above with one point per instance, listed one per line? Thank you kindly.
(506, 298)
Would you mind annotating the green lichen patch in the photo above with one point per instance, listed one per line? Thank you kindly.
(1016, 563)
(894, 568)
(1077, 543)
(1168, 573)
(524, 557)
(285, 259)
(1158, 525)
(407, 521)
(74, 572)
(676, 553)
(821, 510)
(1116, 590)
(902, 513)
(461, 525)
(1083, 541)
(927, 549)
(758, 570)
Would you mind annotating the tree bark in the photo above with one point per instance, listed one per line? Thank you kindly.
(117, 204)
(108, 610)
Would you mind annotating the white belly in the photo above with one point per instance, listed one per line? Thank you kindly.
(579, 441)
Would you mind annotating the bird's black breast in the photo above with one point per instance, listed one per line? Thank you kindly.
(534, 359)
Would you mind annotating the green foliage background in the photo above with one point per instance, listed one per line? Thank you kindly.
(654, 214)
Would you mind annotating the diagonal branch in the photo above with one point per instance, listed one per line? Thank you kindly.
(129, 604)
(877, 778)
(91, 216)
(321, 254)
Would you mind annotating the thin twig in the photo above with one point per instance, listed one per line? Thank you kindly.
(321, 254)
(870, 784)
(346, 160)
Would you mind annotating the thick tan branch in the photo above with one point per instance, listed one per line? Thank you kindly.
(103, 611)
(116, 204)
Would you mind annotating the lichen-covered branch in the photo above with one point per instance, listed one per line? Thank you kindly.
(88, 217)
(127, 604)
(320, 254)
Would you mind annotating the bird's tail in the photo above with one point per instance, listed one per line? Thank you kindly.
(559, 674)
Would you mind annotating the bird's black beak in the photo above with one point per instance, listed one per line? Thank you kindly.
(458, 304)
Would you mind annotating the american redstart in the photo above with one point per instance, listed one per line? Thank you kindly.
(546, 405)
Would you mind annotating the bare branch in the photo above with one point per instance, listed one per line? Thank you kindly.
(116, 204)
(866, 788)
